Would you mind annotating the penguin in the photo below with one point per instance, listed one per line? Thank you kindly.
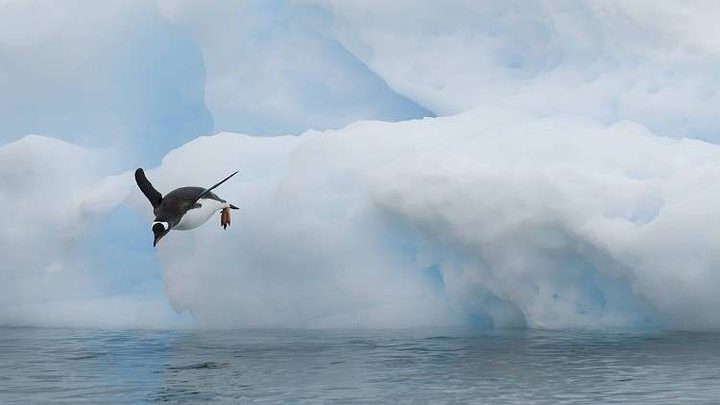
(183, 208)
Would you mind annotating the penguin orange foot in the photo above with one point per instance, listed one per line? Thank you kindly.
(225, 217)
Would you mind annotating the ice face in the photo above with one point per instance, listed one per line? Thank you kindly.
(271, 69)
(557, 189)
(142, 80)
(123, 79)
(71, 258)
(611, 61)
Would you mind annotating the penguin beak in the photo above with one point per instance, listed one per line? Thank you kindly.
(159, 236)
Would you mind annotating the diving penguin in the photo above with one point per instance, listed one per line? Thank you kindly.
(183, 208)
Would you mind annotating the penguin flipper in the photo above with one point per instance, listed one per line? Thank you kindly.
(207, 190)
(147, 188)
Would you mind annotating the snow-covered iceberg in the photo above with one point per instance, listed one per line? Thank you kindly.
(487, 216)
(567, 182)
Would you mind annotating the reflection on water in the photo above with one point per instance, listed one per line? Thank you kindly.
(519, 366)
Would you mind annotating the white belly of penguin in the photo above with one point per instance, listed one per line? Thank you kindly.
(198, 216)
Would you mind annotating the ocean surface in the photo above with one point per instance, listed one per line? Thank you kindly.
(358, 366)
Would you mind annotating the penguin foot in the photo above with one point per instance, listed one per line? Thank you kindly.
(225, 218)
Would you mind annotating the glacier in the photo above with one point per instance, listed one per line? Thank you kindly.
(534, 164)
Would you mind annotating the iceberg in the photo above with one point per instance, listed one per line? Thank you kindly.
(527, 164)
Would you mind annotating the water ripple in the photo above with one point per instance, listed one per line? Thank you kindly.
(426, 366)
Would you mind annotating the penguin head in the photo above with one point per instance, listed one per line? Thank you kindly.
(159, 229)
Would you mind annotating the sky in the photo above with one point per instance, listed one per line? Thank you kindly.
(485, 163)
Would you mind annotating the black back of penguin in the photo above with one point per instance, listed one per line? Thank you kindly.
(179, 201)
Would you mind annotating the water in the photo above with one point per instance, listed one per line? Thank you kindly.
(339, 366)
